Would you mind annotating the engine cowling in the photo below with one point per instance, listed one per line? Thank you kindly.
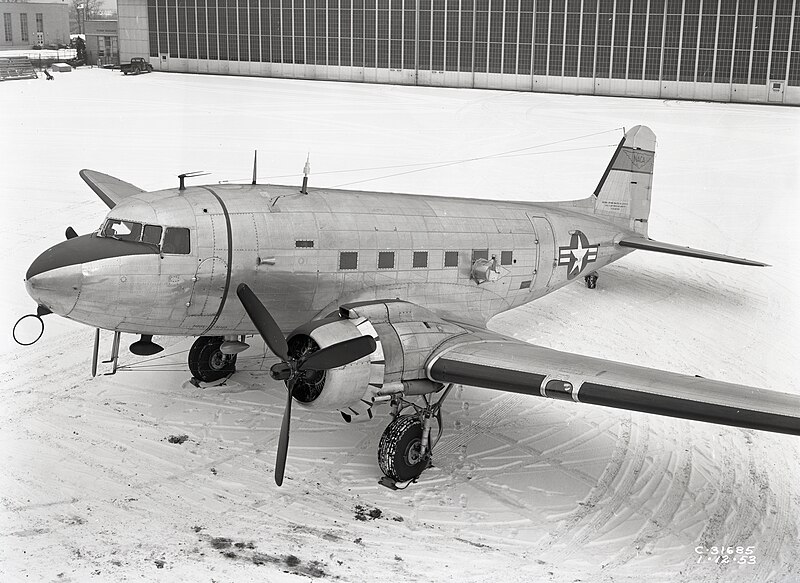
(404, 333)
(344, 387)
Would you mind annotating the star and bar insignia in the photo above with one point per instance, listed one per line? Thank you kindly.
(577, 254)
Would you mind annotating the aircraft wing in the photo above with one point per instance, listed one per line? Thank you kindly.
(486, 359)
(659, 247)
(110, 190)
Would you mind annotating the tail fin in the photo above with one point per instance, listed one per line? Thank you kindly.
(623, 197)
(623, 194)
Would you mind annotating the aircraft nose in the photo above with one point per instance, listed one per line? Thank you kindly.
(54, 279)
(56, 289)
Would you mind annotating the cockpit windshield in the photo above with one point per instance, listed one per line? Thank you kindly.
(176, 240)
(122, 230)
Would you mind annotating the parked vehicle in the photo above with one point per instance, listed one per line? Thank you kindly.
(136, 66)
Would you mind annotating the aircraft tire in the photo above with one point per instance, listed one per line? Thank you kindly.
(399, 449)
(207, 362)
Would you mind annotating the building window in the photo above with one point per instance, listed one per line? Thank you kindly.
(176, 240)
(348, 259)
(39, 22)
(451, 258)
(506, 257)
(23, 25)
(7, 27)
(385, 259)
(420, 259)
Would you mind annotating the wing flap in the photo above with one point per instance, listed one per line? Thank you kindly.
(110, 190)
(489, 361)
(659, 247)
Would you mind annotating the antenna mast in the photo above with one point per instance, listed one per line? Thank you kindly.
(306, 172)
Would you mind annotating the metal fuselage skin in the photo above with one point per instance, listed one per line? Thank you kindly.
(286, 246)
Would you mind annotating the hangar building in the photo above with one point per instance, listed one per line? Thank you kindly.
(721, 50)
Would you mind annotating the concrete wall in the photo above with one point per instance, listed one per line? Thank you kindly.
(723, 92)
(133, 30)
(55, 19)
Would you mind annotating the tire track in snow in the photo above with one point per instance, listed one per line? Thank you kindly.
(594, 522)
(770, 544)
(588, 505)
(660, 520)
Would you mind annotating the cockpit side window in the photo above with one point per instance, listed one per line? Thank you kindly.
(176, 241)
(122, 230)
(152, 234)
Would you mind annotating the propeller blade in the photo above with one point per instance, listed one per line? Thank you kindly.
(283, 441)
(265, 323)
(339, 354)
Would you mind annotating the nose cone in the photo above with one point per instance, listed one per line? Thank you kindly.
(57, 289)
(54, 279)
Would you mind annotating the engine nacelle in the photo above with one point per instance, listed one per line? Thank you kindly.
(340, 388)
(405, 335)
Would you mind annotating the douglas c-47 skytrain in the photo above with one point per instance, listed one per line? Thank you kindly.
(371, 297)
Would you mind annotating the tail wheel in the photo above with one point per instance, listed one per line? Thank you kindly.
(399, 451)
(207, 362)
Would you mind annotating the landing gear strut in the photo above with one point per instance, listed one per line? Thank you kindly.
(406, 446)
(591, 280)
(207, 362)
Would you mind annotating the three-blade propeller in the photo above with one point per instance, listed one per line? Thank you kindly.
(292, 369)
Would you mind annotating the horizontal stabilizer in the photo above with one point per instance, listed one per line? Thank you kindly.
(110, 190)
(659, 247)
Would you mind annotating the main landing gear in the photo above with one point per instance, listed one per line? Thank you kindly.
(406, 446)
(591, 280)
(207, 362)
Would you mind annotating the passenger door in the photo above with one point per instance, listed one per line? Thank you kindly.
(545, 252)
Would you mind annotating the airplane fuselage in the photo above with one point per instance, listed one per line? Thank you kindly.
(305, 254)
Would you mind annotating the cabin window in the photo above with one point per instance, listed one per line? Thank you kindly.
(479, 254)
(151, 234)
(420, 259)
(506, 257)
(304, 244)
(122, 230)
(385, 259)
(525, 284)
(348, 259)
(176, 241)
(451, 258)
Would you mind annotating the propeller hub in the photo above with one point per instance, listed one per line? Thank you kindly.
(280, 371)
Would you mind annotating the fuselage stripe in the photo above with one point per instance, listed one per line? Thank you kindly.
(230, 261)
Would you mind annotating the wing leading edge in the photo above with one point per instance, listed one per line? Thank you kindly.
(488, 360)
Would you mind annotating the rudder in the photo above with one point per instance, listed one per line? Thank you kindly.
(623, 194)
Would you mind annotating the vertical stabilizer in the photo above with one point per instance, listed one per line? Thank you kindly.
(623, 194)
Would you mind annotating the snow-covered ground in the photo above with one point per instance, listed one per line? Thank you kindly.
(524, 489)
